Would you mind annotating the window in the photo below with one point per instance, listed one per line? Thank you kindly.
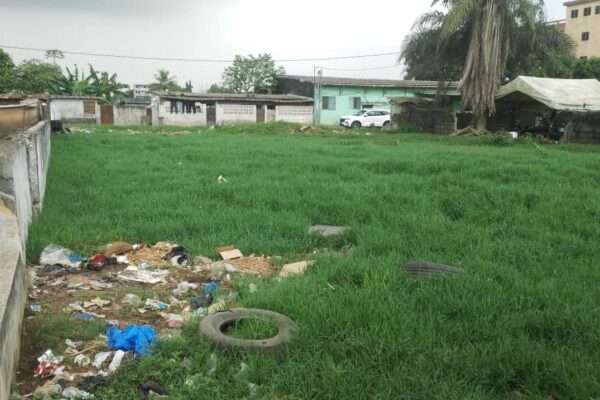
(597, 10)
(356, 103)
(585, 36)
(574, 13)
(587, 11)
(89, 107)
(328, 103)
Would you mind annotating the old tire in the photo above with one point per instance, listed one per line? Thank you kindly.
(356, 125)
(212, 326)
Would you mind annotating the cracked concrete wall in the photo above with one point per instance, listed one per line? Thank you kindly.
(24, 160)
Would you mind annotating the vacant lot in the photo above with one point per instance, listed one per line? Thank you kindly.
(522, 220)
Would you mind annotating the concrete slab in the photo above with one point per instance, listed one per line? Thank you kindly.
(328, 230)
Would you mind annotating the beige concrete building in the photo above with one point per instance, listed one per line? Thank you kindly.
(583, 26)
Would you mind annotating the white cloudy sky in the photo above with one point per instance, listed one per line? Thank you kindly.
(215, 29)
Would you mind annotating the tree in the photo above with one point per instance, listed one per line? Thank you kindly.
(35, 76)
(252, 74)
(549, 54)
(7, 72)
(489, 26)
(165, 82)
(215, 88)
(102, 84)
(73, 83)
(188, 87)
(54, 55)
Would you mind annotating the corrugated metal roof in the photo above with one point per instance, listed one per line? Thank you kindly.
(269, 98)
(67, 97)
(390, 83)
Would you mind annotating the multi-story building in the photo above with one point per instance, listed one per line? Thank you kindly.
(140, 90)
(583, 26)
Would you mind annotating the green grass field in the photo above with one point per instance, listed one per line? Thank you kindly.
(523, 322)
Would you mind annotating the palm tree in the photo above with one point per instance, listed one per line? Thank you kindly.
(490, 23)
(72, 83)
(164, 81)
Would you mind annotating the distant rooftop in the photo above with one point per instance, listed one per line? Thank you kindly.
(390, 83)
(269, 98)
(578, 2)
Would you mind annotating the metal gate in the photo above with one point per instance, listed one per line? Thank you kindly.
(106, 114)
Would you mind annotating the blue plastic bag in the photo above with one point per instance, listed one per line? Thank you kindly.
(136, 338)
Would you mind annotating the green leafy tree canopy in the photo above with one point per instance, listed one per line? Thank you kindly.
(252, 74)
(7, 72)
(164, 81)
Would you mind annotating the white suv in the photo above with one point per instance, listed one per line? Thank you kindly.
(367, 118)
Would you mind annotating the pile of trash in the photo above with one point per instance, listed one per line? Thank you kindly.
(164, 288)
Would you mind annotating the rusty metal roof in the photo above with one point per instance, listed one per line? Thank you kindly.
(389, 83)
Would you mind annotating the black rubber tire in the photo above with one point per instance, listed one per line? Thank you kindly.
(356, 125)
(212, 325)
(386, 124)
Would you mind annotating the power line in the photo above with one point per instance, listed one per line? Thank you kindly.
(198, 60)
(363, 69)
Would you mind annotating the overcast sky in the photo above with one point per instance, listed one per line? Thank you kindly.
(216, 29)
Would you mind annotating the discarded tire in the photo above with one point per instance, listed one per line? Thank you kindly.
(212, 327)
(428, 269)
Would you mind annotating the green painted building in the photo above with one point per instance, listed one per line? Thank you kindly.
(336, 97)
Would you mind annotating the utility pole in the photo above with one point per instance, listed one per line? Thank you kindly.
(317, 79)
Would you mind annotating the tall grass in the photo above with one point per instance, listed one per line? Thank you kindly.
(521, 323)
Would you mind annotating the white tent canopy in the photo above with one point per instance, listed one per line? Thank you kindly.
(576, 95)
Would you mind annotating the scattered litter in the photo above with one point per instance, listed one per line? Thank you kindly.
(183, 288)
(201, 260)
(252, 288)
(222, 179)
(96, 303)
(177, 257)
(136, 338)
(35, 308)
(82, 360)
(122, 260)
(47, 390)
(253, 265)
(202, 302)
(54, 255)
(156, 305)
(147, 388)
(135, 274)
(101, 358)
(116, 361)
(115, 249)
(72, 344)
(174, 321)
(84, 316)
(229, 253)
(221, 267)
(328, 230)
(92, 383)
(132, 300)
(297, 268)
(219, 306)
(210, 287)
(74, 393)
(48, 365)
(99, 261)
(98, 285)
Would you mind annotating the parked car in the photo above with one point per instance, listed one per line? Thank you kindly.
(367, 118)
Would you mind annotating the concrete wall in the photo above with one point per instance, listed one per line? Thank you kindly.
(24, 160)
(71, 110)
(166, 117)
(129, 115)
(235, 113)
(575, 27)
(297, 114)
